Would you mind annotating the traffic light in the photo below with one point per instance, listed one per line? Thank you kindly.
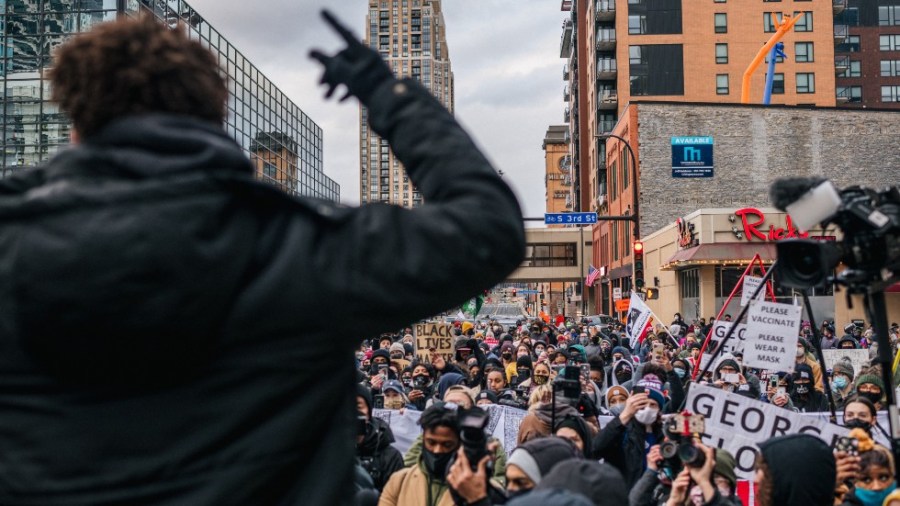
(652, 293)
(638, 262)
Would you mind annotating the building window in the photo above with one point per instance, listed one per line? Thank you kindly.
(656, 69)
(719, 1)
(890, 93)
(269, 170)
(889, 15)
(804, 52)
(721, 84)
(889, 42)
(637, 25)
(806, 83)
(854, 70)
(690, 283)
(851, 93)
(890, 68)
(806, 22)
(849, 17)
(721, 22)
(778, 84)
(850, 46)
(769, 21)
(721, 53)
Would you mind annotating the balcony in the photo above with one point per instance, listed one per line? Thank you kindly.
(606, 39)
(605, 126)
(838, 6)
(607, 99)
(567, 137)
(841, 32)
(567, 115)
(845, 94)
(606, 68)
(841, 64)
(566, 5)
(606, 10)
(566, 94)
(565, 42)
(565, 72)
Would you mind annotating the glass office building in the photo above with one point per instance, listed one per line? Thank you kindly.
(284, 144)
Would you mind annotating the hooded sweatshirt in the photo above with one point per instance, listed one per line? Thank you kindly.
(802, 468)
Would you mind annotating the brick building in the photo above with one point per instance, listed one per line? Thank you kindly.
(868, 57)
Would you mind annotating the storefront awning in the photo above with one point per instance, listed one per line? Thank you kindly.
(723, 253)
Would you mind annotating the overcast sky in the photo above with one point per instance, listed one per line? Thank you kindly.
(505, 57)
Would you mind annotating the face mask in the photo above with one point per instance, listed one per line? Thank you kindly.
(617, 409)
(839, 383)
(680, 372)
(800, 352)
(540, 380)
(623, 377)
(646, 416)
(856, 423)
(801, 389)
(436, 463)
(871, 396)
(724, 492)
(873, 497)
(507, 356)
(510, 494)
(393, 403)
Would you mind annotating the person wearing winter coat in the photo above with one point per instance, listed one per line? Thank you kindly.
(373, 448)
(795, 469)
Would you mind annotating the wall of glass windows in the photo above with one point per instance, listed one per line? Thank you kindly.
(284, 144)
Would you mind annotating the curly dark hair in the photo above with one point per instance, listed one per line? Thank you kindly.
(135, 66)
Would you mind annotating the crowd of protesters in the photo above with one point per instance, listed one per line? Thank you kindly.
(601, 445)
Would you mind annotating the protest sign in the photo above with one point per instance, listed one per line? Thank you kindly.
(859, 358)
(434, 336)
(737, 423)
(771, 336)
(751, 283)
(735, 343)
(638, 322)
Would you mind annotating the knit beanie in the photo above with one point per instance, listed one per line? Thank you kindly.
(844, 367)
(871, 379)
(398, 347)
(536, 457)
(653, 386)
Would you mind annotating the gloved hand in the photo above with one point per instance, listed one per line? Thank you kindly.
(358, 67)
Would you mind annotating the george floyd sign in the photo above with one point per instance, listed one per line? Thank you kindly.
(737, 423)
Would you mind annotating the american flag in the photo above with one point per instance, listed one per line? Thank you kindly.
(593, 274)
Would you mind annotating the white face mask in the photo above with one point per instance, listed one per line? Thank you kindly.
(647, 415)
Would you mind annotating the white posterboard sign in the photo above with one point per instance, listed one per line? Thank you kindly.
(735, 342)
(859, 358)
(737, 424)
(771, 336)
(751, 283)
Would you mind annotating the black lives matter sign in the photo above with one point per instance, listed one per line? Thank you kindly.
(434, 337)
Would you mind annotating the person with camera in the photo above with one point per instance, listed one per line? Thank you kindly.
(373, 442)
(527, 465)
(624, 441)
(779, 391)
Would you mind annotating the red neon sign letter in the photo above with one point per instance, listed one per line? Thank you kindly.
(753, 218)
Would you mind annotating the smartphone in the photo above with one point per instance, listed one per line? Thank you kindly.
(586, 371)
(382, 370)
(850, 445)
(378, 401)
(658, 350)
(734, 379)
(780, 391)
(638, 389)
(773, 381)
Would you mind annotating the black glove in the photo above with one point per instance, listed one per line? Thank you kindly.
(358, 67)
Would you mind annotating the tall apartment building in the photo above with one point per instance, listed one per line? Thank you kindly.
(284, 143)
(411, 37)
(868, 57)
(619, 51)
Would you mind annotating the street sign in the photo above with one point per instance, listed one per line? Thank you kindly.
(617, 293)
(528, 292)
(692, 156)
(570, 218)
(622, 305)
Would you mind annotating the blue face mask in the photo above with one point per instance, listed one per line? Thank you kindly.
(680, 372)
(873, 497)
(839, 383)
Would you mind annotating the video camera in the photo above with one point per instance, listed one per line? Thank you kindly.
(869, 220)
(472, 425)
(569, 383)
(679, 450)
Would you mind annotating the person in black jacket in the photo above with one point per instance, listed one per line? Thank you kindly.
(156, 333)
(804, 396)
(373, 446)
